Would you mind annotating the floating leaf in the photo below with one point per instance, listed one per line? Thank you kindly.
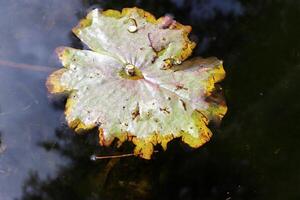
(132, 85)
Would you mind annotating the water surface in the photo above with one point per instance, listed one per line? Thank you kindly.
(254, 154)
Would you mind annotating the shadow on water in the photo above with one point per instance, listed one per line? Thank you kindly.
(175, 174)
(253, 155)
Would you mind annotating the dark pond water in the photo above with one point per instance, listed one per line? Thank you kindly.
(254, 154)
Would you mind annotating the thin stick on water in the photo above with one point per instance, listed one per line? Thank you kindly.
(7, 63)
(94, 157)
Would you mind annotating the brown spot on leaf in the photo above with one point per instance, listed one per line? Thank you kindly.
(180, 87)
(149, 114)
(136, 112)
(203, 115)
(165, 110)
(154, 59)
(151, 43)
(183, 104)
(98, 123)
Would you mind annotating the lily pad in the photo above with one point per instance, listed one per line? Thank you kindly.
(133, 84)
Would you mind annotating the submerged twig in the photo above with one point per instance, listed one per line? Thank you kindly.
(6, 63)
(94, 157)
(17, 110)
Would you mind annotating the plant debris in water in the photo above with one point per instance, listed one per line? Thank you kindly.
(133, 84)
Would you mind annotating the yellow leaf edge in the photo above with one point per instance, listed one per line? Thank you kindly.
(144, 147)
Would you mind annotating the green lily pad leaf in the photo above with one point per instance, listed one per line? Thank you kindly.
(134, 83)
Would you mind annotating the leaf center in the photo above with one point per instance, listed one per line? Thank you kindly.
(129, 71)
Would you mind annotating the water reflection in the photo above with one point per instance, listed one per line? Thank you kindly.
(208, 9)
(188, 174)
(30, 31)
(85, 179)
(40, 158)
